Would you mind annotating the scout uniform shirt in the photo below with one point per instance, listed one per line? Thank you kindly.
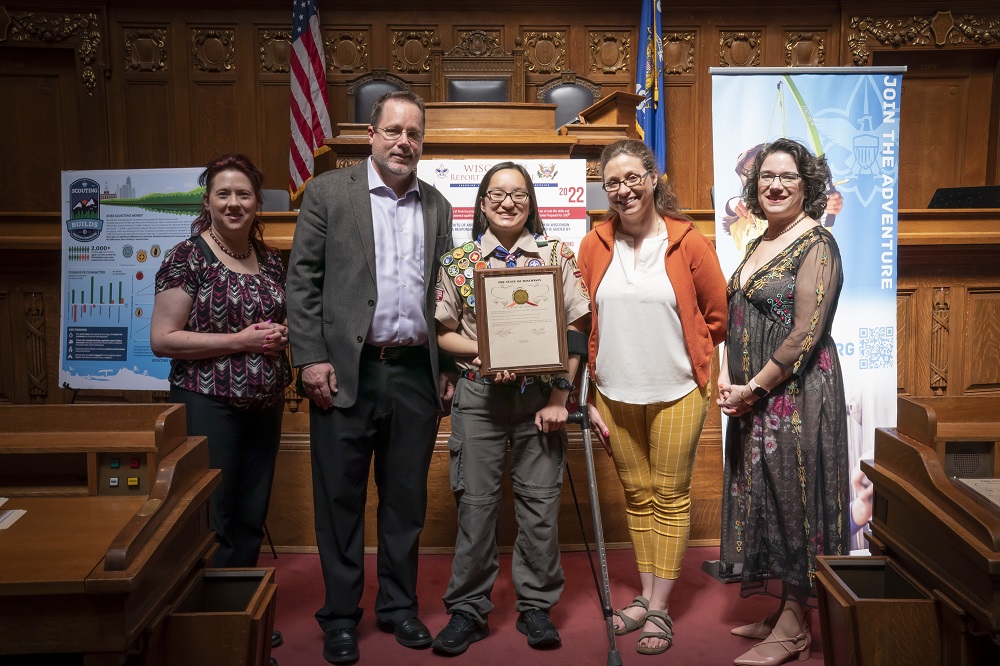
(455, 293)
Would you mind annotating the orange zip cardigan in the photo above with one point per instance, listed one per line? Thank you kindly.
(695, 274)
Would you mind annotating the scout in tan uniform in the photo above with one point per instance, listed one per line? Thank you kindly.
(490, 413)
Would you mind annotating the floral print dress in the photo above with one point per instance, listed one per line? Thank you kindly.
(785, 493)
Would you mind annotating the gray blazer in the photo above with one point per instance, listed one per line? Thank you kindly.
(331, 289)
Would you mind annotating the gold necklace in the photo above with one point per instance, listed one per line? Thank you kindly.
(786, 229)
(227, 250)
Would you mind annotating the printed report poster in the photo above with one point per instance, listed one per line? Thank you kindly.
(116, 225)
(560, 187)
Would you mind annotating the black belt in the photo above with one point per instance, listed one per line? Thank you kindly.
(394, 354)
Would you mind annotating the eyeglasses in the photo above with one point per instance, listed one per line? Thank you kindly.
(631, 181)
(498, 196)
(393, 134)
(766, 178)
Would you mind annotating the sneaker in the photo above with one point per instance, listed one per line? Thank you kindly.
(462, 630)
(536, 625)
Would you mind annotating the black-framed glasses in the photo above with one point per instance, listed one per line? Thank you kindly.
(788, 178)
(393, 134)
(631, 181)
(498, 196)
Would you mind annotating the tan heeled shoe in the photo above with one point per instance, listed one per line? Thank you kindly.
(795, 647)
(760, 629)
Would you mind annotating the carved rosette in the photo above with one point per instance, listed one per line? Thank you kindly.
(940, 327)
(38, 370)
(805, 49)
(146, 49)
(740, 49)
(942, 29)
(546, 51)
(609, 51)
(678, 53)
(32, 27)
(346, 51)
(213, 50)
(411, 50)
(345, 162)
(275, 49)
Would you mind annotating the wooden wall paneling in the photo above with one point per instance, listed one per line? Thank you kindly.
(993, 140)
(681, 100)
(905, 340)
(272, 123)
(981, 340)
(9, 352)
(142, 83)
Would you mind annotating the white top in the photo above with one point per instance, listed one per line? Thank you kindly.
(641, 355)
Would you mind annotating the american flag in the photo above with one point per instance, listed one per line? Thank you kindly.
(310, 118)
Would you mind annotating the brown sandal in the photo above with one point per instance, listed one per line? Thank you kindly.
(630, 625)
(666, 632)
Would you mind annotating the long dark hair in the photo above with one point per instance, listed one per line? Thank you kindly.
(235, 162)
(664, 199)
(814, 170)
(479, 221)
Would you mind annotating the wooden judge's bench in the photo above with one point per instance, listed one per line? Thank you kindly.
(104, 537)
(930, 593)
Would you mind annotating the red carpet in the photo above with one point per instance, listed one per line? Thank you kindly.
(703, 610)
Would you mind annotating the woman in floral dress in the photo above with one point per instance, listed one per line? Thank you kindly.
(785, 495)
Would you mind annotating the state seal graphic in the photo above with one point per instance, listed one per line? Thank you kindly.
(84, 223)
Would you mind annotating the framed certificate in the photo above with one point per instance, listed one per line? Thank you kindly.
(520, 320)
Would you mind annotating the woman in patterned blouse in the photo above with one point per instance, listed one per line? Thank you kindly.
(219, 314)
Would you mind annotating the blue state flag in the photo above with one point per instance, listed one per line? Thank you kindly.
(650, 116)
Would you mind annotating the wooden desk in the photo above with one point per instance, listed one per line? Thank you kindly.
(91, 567)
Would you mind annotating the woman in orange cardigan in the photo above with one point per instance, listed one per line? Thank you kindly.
(659, 310)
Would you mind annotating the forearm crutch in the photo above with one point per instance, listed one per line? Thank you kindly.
(582, 416)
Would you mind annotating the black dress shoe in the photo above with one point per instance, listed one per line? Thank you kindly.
(410, 632)
(536, 625)
(461, 630)
(340, 646)
(276, 638)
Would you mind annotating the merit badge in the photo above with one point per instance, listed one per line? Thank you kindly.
(469, 247)
(463, 263)
(447, 259)
(459, 280)
(475, 256)
(471, 300)
(481, 265)
(458, 253)
(469, 272)
(453, 270)
(465, 290)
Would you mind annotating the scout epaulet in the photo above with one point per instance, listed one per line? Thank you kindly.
(460, 265)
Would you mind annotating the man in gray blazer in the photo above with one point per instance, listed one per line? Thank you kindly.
(361, 298)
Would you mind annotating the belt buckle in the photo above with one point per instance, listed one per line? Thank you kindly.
(381, 354)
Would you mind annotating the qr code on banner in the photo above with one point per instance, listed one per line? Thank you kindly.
(876, 347)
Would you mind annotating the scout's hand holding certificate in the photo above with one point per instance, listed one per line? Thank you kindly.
(520, 320)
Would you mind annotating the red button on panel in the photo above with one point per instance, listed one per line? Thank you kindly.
(134, 463)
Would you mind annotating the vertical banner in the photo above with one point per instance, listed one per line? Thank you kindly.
(560, 187)
(116, 227)
(850, 116)
(650, 114)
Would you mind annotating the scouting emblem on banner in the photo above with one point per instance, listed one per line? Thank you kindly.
(84, 223)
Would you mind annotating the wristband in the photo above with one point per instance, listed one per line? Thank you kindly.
(757, 389)
(563, 384)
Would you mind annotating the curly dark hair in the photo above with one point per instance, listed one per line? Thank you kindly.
(479, 221)
(814, 170)
(234, 162)
(664, 198)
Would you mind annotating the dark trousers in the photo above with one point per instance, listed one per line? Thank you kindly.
(394, 420)
(243, 443)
